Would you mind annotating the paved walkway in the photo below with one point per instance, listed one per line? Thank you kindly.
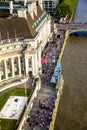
(41, 114)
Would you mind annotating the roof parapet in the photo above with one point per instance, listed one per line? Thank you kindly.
(25, 2)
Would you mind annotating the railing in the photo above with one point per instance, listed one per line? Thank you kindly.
(42, 22)
(60, 88)
(71, 26)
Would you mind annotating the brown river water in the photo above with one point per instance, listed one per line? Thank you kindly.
(72, 112)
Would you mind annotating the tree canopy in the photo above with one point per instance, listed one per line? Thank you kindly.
(66, 7)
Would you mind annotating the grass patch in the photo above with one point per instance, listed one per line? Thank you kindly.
(8, 124)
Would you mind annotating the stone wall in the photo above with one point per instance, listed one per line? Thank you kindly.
(59, 86)
(59, 93)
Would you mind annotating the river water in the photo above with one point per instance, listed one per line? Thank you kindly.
(72, 112)
(81, 12)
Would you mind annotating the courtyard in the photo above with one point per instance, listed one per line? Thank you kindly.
(13, 100)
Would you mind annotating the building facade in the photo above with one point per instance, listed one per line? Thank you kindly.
(48, 5)
(22, 40)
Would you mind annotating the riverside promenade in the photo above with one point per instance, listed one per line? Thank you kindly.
(40, 116)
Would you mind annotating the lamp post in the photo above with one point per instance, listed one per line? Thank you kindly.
(25, 85)
(0, 125)
(24, 75)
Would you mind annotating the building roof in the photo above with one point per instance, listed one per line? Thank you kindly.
(19, 27)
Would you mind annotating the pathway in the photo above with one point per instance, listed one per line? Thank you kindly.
(41, 114)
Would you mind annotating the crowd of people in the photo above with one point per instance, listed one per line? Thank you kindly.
(40, 118)
(49, 63)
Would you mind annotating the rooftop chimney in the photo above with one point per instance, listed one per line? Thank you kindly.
(30, 10)
(37, 2)
(11, 7)
(40, 3)
(35, 8)
(25, 1)
(22, 13)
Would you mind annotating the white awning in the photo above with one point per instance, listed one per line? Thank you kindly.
(53, 79)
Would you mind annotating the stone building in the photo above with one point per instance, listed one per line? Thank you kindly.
(48, 5)
(22, 39)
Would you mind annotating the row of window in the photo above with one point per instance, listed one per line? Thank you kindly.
(7, 48)
(39, 20)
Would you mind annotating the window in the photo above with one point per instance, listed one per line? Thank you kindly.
(37, 21)
(30, 62)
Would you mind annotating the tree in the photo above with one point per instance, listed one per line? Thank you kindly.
(63, 10)
(66, 7)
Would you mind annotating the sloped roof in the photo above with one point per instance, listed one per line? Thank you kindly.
(10, 26)
(39, 12)
(22, 27)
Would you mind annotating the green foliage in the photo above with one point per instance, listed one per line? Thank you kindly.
(8, 124)
(67, 7)
(64, 10)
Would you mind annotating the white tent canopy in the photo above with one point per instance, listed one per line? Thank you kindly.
(53, 79)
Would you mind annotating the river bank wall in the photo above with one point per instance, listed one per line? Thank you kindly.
(59, 86)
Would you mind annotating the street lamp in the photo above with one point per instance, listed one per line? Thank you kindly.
(25, 84)
(24, 74)
(0, 125)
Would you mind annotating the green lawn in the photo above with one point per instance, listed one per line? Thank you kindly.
(7, 124)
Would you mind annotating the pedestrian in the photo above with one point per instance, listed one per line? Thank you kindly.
(39, 101)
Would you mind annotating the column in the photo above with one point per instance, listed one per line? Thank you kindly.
(0, 77)
(26, 65)
(0, 74)
(19, 65)
(6, 71)
(12, 63)
(33, 70)
(0, 71)
(39, 57)
(48, 6)
(36, 63)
